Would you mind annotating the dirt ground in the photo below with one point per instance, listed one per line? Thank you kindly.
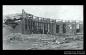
(35, 43)
(39, 42)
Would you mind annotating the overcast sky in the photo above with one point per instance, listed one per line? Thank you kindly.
(64, 12)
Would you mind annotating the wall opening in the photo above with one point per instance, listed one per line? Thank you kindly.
(45, 28)
(57, 28)
(77, 28)
(64, 28)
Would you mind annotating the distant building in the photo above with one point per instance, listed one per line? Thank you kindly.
(30, 24)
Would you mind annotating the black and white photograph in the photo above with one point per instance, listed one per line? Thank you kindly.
(43, 27)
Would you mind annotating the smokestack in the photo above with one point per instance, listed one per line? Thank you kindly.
(23, 13)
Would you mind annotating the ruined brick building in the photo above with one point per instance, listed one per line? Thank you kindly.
(30, 24)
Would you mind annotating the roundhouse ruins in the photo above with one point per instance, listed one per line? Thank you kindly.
(30, 24)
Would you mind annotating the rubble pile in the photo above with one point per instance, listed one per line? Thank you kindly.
(41, 41)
